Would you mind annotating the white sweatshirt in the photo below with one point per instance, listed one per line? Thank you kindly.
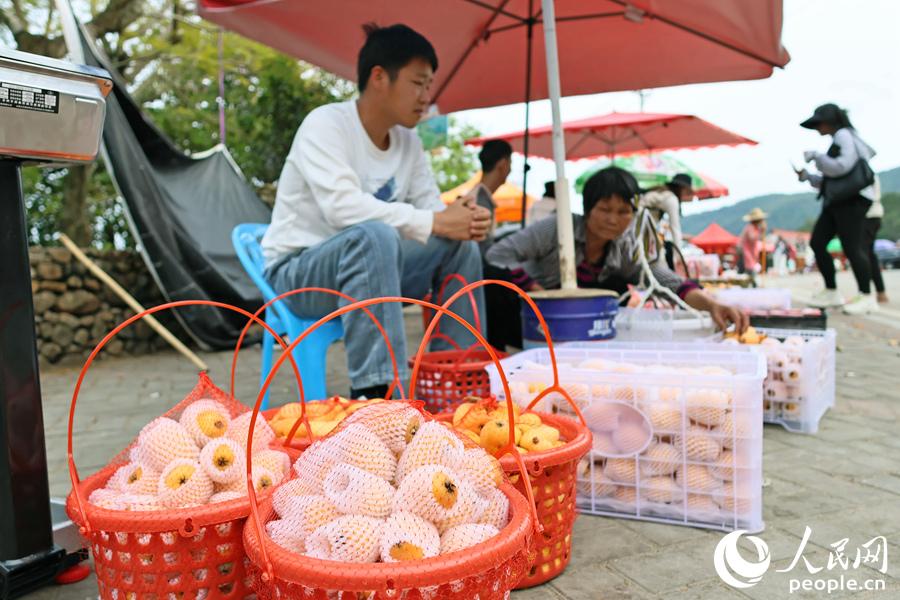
(663, 201)
(335, 177)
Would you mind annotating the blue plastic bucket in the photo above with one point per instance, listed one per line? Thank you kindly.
(586, 315)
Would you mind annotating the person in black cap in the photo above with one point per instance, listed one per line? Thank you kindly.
(846, 218)
(666, 199)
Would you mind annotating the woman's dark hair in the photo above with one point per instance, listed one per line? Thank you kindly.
(391, 48)
(493, 152)
(608, 182)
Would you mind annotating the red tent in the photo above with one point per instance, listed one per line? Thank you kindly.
(482, 45)
(715, 240)
(617, 133)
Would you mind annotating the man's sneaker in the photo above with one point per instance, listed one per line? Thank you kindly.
(826, 299)
(861, 304)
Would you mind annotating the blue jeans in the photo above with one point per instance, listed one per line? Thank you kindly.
(370, 260)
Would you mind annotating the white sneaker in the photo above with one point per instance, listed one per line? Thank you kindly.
(826, 299)
(861, 304)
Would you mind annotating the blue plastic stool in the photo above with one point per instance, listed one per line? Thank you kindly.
(311, 352)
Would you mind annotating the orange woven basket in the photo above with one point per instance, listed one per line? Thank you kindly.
(446, 377)
(486, 571)
(553, 478)
(552, 474)
(188, 553)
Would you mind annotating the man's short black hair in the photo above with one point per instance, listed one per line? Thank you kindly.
(391, 48)
(493, 152)
(608, 182)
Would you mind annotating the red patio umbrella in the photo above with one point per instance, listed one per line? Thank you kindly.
(605, 45)
(715, 240)
(485, 46)
(616, 134)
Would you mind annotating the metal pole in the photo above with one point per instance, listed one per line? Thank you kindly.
(528, 44)
(563, 211)
(25, 527)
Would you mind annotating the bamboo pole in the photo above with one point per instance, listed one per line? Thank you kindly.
(130, 301)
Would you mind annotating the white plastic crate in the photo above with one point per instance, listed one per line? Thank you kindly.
(677, 435)
(754, 298)
(667, 325)
(703, 265)
(800, 384)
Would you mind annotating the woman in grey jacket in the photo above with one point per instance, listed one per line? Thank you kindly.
(845, 218)
(605, 246)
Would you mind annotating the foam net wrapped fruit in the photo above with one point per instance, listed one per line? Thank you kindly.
(551, 446)
(388, 506)
(164, 518)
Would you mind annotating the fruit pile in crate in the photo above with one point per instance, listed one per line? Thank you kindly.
(195, 459)
(486, 423)
(800, 386)
(389, 486)
(677, 435)
(323, 416)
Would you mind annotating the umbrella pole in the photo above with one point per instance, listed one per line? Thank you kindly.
(528, 43)
(563, 210)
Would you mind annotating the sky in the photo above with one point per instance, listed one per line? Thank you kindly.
(842, 51)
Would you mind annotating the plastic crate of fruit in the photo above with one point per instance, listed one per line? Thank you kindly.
(800, 383)
(800, 386)
(677, 434)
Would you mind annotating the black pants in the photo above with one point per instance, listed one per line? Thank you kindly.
(847, 220)
(869, 234)
(504, 320)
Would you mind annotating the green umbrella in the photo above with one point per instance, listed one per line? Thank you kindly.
(834, 247)
(652, 170)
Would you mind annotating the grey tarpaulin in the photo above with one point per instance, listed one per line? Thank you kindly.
(182, 209)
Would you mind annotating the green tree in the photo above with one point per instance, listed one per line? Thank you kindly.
(455, 163)
(267, 96)
(168, 57)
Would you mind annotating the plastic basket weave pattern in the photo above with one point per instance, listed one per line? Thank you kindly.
(553, 476)
(486, 570)
(446, 377)
(699, 462)
(191, 552)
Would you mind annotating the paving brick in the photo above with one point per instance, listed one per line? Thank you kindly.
(843, 481)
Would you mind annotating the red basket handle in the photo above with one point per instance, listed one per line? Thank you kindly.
(508, 449)
(73, 470)
(302, 419)
(434, 324)
(543, 324)
(440, 300)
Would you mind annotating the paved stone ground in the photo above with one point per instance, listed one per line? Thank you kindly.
(843, 482)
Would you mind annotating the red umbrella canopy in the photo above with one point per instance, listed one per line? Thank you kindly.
(617, 133)
(604, 45)
(715, 239)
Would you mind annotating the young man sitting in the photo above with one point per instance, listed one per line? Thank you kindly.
(358, 211)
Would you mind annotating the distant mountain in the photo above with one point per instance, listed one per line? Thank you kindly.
(786, 211)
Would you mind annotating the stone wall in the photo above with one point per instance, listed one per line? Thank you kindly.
(74, 310)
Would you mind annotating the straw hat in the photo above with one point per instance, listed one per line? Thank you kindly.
(756, 214)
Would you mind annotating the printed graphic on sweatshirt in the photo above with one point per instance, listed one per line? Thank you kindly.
(387, 191)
